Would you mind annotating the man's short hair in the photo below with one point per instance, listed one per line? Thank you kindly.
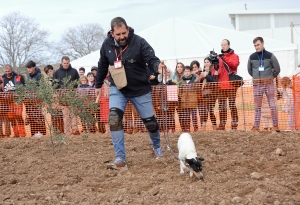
(117, 22)
(82, 68)
(258, 39)
(47, 68)
(8, 65)
(228, 42)
(65, 58)
(30, 64)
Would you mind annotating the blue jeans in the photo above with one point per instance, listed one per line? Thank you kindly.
(258, 92)
(143, 105)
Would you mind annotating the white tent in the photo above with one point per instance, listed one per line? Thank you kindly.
(177, 40)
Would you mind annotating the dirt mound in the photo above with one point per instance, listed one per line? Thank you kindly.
(239, 168)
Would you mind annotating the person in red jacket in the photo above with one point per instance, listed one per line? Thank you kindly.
(226, 91)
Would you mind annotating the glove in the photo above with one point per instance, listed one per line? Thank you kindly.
(221, 55)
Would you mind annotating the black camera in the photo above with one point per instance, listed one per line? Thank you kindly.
(213, 57)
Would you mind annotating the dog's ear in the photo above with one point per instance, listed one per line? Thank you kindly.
(200, 158)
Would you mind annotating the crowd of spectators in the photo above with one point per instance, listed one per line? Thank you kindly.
(191, 91)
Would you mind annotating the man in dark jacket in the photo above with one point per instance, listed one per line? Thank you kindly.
(34, 73)
(65, 70)
(11, 80)
(128, 54)
(33, 108)
(263, 66)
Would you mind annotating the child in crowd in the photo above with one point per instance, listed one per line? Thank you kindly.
(91, 79)
(188, 102)
(288, 101)
(83, 90)
(84, 83)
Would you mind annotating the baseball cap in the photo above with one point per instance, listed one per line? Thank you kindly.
(94, 68)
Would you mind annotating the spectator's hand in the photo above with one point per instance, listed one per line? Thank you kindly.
(203, 74)
(216, 73)
(98, 94)
(162, 67)
(152, 77)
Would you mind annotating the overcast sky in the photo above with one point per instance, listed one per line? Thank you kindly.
(57, 15)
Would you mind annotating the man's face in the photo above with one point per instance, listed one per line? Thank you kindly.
(94, 72)
(259, 46)
(8, 71)
(65, 63)
(224, 45)
(120, 34)
(81, 72)
(187, 72)
(31, 70)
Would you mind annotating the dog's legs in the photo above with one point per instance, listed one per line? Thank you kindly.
(182, 167)
(191, 172)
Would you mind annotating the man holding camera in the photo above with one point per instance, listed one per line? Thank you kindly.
(228, 60)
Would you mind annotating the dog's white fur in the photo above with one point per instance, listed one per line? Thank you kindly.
(187, 150)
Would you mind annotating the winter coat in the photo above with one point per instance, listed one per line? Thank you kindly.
(134, 59)
(188, 93)
(10, 84)
(62, 73)
(270, 63)
(36, 75)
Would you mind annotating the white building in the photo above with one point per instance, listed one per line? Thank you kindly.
(275, 24)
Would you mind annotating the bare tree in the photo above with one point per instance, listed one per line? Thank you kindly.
(79, 41)
(21, 40)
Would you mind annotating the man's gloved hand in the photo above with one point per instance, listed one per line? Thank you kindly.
(221, 55)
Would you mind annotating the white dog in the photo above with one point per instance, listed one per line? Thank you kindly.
(188, 154)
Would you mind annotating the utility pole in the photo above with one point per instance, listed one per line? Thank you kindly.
(292, 34)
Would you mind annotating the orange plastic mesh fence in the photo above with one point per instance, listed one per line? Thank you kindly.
(189, 107)
(296, 96)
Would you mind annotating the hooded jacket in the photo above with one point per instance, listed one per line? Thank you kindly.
(135, 59)
(62, 73)
(36, 75)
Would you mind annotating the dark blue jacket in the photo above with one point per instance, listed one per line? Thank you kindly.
(62, 73)
(36, 75)
(135, 59)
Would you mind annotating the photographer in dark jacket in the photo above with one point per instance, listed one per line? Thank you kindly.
(123, 51)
